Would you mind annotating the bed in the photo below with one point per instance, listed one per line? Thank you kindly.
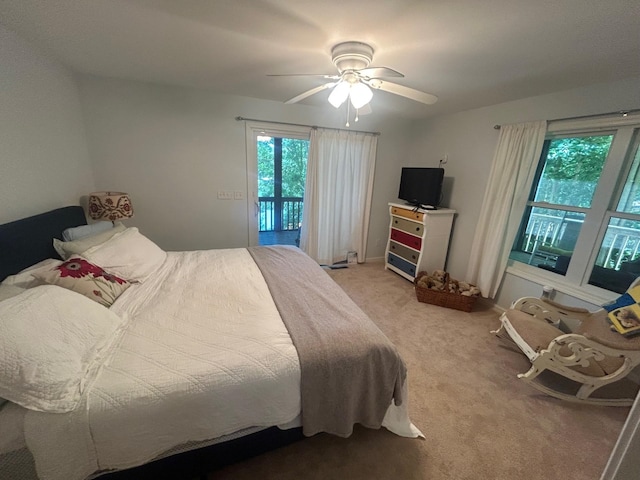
(234, 351)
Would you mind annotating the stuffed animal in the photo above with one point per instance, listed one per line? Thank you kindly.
(468, 290)
(435, 283)
(440, 275)
(440, 281)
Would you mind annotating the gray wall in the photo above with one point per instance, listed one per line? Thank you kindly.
(44, 162)
(469, 140)
(173, 148)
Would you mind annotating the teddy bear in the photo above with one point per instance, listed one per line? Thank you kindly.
(468, 290)
(440, 276)
(434, 283)
(431, 282)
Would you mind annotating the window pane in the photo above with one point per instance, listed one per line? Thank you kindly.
(630, 198)
(571, 171)
(618, 261)
(547, 238)
(294, 166)
(265, 166)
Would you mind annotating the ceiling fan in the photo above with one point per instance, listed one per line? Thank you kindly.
(356, 79)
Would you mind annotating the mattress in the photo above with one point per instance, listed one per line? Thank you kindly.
(204, 355)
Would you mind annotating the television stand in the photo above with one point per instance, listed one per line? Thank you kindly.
(418, 239)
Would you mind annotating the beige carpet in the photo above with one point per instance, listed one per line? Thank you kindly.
(479, 420)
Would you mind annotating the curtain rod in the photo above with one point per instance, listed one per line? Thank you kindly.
(624, 113)
(315, 127)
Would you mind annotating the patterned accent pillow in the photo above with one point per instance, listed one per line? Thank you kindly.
(79, 275)
(624, 313)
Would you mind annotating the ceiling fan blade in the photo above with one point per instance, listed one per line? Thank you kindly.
(377, 72)
(308, 93)
(403, 91)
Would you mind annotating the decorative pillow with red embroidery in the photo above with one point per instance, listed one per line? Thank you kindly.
(90, 280)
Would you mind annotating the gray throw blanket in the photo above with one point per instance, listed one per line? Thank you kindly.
(350, 369)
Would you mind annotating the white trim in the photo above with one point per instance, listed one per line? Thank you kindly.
(623, 462)
(587, 293)
(592, 124)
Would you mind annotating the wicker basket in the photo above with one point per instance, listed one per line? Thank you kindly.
(443, 299)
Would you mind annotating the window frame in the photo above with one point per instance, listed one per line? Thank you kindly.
(626, 140)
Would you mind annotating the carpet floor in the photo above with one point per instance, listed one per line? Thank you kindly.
(480, 421)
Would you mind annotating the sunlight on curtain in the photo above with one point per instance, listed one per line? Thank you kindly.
(337, 196)
(512, 172)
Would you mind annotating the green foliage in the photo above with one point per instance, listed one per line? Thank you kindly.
(265, 167)
(294, 166)
(572, 170)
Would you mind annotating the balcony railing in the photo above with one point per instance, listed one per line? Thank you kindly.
(280, 214)
(543, 231)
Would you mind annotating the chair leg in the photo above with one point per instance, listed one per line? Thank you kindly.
(530, 374)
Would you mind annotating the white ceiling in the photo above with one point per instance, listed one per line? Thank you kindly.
(469, 53)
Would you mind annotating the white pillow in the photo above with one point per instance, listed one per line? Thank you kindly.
(51, 342)
(26, 279)
(129, 255)
(76, 233)
(67, 249)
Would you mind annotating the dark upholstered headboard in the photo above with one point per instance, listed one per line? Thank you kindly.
(30, 240)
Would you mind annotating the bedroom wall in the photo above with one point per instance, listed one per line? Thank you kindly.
(469, 140)
(173, 148)
(44, 162)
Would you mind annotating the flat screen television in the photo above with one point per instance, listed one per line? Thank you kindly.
(421, 187)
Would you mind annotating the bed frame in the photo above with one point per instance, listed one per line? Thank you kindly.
(30, 240)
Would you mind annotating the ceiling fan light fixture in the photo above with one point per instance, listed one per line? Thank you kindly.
(339, 94)
(360, 94)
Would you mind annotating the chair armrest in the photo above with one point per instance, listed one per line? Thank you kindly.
(574, 350)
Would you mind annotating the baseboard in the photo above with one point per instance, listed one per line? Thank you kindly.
(374, 259)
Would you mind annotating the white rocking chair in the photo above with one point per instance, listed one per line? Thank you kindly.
(588, 365)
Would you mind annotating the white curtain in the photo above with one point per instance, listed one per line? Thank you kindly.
(505, 199)
(337, 195)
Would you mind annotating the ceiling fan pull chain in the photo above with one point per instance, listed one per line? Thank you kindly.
(347, 124)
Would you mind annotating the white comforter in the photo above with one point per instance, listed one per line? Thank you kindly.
(204, 354)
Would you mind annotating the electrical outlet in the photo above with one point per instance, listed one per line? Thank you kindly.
(444, 160)
(225, 195)
(238, 195)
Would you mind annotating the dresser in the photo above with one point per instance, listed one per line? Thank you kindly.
(418, 239)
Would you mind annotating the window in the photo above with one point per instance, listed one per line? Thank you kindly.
(282, 167)
(276, 164)
(581, 227)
